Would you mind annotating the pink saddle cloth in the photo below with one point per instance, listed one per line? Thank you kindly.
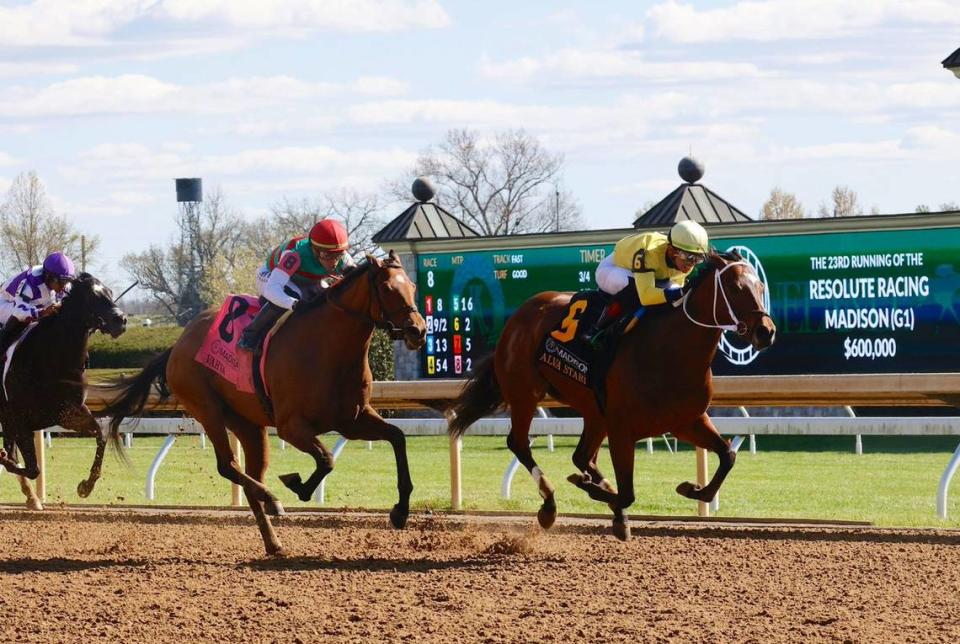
(219, 351)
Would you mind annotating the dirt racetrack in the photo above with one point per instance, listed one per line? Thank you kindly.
(144, 575)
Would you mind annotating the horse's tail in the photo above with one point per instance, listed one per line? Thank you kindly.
(135, 393)
(481, 396)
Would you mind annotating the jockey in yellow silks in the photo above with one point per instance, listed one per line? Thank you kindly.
(648, 269)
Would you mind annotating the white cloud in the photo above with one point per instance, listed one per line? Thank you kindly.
(84, 23)
(575, 64)
(6, 159)
(126, 163)
(139, 94)
(300, 15)
(34, 69)
(57, 23)
(379, 86)
(775, 20)
(876, 150)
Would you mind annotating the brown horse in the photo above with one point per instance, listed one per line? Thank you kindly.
(319, 381)
(45, 385)
(660, 381)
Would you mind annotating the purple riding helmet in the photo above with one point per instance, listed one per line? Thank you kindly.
(59, 266)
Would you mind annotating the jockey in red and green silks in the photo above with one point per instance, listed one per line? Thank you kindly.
(298, 263)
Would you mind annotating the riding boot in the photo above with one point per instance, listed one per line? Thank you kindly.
(11, 331)
(608, 315)
(626, 301)
(266, 317)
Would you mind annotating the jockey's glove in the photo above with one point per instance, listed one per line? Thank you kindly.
(673, 294)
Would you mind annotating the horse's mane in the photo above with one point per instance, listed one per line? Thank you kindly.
(350, 274)
(714, 261)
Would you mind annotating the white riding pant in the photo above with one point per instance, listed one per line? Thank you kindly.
(612, 278)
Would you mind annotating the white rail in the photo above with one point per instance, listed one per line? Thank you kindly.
(545, 426)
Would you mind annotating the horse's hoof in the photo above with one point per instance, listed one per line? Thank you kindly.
(621, 530)
(291, 479)
(84, 488)
(295, 485)
(398, 517)
(34, 504)
(547, 516)
(274, 508)
(276, 551)
(689, 490)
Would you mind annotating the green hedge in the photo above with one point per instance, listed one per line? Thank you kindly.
(133, 349)
(139, 344)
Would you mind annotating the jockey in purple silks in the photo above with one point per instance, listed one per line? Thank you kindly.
(33, 294)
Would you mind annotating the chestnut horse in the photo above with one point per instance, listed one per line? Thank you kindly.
(45, 384)
(319, 381)
(659, 381)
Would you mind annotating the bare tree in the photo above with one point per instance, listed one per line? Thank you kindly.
(782, 205)
(843, 204)
(360, 212)
(947, 206)
(217, 249)
(31, 229)
(498, 187)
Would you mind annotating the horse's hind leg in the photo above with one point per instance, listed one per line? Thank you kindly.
(588, 477)
(370, 426)
(253, 440)
(702, 433)
(301, 434)
(518, 440)
(622, 454)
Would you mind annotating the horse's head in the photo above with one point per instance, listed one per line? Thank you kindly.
(92, 302)
(731, 300)
(395, 304)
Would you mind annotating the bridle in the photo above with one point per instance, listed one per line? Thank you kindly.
(384, 319)
(735, 324)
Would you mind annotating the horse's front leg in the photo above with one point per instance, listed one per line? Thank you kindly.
(371, 427)
(303, 435)
(80, 420)
(702, 433)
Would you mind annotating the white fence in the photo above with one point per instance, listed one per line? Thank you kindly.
(739, 427)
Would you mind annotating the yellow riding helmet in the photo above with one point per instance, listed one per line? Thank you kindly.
(689, 236)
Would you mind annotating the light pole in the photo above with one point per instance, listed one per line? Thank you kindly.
(556, 194)
(952, 63)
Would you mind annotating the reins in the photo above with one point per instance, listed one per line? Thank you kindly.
(736, 324)
(382, 321)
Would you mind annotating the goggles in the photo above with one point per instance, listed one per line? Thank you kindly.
(688, 257)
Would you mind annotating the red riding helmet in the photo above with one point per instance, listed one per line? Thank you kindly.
(329, 235)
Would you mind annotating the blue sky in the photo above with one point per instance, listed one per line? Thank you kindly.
(109, 101)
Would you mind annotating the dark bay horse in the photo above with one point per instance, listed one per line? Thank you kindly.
(45, 383)
(319, 381)
(660, 381)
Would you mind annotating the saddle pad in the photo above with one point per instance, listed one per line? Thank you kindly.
(219, 351)
(564, 351)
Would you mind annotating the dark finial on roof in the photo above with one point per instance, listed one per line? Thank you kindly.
(423, 190)
(690, 169)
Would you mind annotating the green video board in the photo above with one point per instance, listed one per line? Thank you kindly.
(846, 302)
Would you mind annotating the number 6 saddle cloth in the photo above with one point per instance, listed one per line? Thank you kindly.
(566, 350)
(220, 354)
